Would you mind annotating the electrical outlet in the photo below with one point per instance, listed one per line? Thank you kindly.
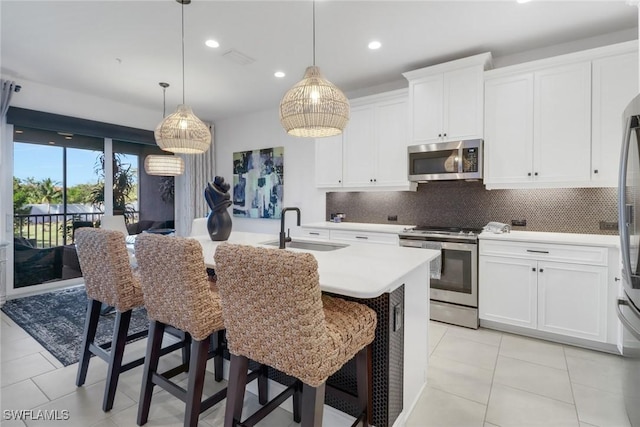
(518, 222)
(392, 217)
(609, 225)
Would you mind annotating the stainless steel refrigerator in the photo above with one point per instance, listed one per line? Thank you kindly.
(629, 225)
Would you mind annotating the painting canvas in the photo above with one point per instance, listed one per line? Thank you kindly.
(258, 183)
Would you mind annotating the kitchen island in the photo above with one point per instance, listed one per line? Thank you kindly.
(392, 280)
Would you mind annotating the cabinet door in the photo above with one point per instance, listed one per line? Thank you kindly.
(562, 130)
(391, 128)
(508, 145)
(426, 112)
(329, 161)
(507, 291)
(572, 300)
(463, 104)
(615, 82)
(359, 148)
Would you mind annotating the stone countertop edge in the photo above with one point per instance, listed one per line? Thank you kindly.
(555, 238)
(359, 226)
(360, 270)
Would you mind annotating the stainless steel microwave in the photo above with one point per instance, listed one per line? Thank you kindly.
(446, 161)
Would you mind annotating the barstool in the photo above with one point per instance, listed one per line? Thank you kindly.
(276, 315)
(108, 279)
(177, 293)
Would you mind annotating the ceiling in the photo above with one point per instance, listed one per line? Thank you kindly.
(121, 50)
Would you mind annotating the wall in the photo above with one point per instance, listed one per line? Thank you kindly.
(469, 204)
(263, 130)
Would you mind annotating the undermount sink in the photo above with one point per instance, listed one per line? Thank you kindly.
(309, 246)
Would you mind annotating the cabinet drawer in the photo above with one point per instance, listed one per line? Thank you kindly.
(365, 237)
(552, 252)
(316, 233)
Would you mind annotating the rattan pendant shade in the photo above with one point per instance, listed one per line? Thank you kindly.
(314, 107)
(183, 132)
(163, 165)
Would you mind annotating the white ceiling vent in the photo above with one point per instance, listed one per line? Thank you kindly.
(238, 57)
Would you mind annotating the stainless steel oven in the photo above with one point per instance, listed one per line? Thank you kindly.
(454, 279)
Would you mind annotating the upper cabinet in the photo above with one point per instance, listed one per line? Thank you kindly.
(557, 122)
(446, 100)
(372, 151)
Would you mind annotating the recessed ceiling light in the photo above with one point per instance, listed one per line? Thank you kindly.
(279, 74)
(375, 45)
(212, 43)
(19, 131)
(52, 143)
(523, 1)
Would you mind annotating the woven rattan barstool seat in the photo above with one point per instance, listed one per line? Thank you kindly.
(108, 278)
(275, 314)
(177, 293)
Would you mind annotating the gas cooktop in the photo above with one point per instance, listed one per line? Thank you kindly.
(435, 231)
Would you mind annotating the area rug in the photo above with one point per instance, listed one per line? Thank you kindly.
(56, 320)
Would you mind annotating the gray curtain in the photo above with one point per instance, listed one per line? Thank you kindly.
(8, 87)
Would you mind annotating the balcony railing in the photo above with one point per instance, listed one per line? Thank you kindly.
(49, 230)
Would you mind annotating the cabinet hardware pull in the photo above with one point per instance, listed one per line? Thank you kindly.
(541, 270)
(535, 173)
(617, 279)
(439, 135)
(444, 134)
(529, 174)
(339, 181)
(533, 269)
(375, 180)
(537, 252)
(361, 237)
(595, 171)
(314, 233)
(371, 180)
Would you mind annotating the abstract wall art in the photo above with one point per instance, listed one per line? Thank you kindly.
(258, 179)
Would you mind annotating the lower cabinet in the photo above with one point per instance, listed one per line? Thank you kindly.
(526, 288)
(352, 236)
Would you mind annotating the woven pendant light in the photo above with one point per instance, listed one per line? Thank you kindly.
(314, 107)
(163, 165)
(182, 131)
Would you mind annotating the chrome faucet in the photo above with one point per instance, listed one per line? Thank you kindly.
(285, 238)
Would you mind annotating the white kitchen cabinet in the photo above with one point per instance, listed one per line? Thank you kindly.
(614, 84)
(508, 144)
(446, 100)
(561, 124)
(352, 236)
(551, 123)
(559, 289)
(572, 300)
(329, 161)
(375, 142)
(507, 291)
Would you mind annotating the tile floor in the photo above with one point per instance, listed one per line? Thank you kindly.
(476, 378)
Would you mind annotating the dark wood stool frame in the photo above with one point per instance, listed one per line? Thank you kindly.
(113, 351)
(308, 401)
(201, 351)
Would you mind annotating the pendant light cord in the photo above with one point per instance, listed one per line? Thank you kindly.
(182, 9)
(314, 33)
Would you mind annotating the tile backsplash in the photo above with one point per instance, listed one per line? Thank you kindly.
(469, 204)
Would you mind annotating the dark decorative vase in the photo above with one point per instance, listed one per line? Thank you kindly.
(218, 199)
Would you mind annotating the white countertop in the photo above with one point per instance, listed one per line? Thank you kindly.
(359, 270)
(557, 238)
(359, 226)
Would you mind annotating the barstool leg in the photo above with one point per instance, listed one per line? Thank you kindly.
(363, 375)
(312, 405)
(90, 327)
(116, 352)
(195, 385)
(154, 345)
(218, 358)
(235, 390)
(297, 402)
(263, 385)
